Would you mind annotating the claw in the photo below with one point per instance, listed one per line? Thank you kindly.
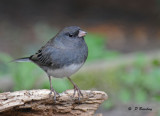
(55, 94)
(76, 89)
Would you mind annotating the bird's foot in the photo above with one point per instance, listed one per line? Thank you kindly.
(76, 89)
(55, 94)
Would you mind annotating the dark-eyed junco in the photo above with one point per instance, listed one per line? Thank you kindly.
(62, 56)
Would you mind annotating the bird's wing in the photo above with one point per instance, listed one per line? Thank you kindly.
(42, 57)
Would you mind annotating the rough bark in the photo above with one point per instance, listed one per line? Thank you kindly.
(39, 103)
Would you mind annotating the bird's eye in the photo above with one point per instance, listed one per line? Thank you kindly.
(70, 35)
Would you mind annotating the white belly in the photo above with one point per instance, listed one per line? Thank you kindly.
(65, 71)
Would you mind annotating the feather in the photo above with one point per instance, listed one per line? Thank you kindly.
(26, 59)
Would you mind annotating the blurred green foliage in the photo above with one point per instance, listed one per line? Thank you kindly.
(97, 48)
(23, 74)
(137, 82)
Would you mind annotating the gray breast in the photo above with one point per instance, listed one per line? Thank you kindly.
(66, 57)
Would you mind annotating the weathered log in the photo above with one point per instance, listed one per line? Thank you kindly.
(39, 103)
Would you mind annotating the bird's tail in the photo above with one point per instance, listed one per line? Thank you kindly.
(26, 59)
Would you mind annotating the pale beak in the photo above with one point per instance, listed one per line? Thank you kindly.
(82, 33)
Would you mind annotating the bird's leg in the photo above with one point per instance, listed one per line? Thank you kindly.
(52, 90)
(76, 88)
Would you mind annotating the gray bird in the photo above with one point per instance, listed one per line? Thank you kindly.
(62, 56)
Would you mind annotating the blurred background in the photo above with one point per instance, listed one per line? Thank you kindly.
(124, 49)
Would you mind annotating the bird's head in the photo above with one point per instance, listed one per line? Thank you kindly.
(72, 32)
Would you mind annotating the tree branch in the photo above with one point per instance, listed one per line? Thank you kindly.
(39, 103)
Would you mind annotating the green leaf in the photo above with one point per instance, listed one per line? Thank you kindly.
(125, 95)
(140, 95)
